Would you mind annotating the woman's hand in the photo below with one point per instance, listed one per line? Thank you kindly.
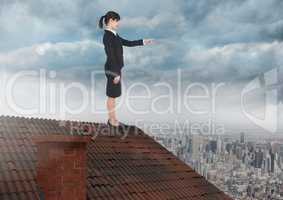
(116, 80)
(148, 41)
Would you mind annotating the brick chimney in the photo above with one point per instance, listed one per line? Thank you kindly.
(61, 166)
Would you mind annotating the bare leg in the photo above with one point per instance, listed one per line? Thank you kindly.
(111, 110)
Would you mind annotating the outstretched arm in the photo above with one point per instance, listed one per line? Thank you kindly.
(131, 43)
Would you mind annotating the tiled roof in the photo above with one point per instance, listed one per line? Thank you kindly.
(134, 167)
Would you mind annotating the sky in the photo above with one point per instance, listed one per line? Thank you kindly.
(228, 42)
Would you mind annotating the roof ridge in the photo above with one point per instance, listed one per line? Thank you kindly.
(66, 122)
(45, 118)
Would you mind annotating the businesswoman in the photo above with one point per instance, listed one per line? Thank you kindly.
(113, 46)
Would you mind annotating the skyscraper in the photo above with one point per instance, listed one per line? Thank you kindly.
(242, 138)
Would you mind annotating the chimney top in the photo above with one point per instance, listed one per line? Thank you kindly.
(61, 166)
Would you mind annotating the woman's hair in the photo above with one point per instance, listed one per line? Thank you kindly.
(109, 15)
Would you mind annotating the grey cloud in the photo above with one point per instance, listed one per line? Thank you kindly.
(235, 62)
(214, 23)
(180, 27)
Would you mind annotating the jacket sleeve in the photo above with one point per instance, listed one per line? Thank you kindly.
(112, 59)
(131, 43)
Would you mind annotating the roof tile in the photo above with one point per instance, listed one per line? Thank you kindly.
(135, 167)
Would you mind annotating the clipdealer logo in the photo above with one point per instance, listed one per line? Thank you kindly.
(269, 84)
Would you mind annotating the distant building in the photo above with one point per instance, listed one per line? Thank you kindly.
(196, 145)
(272, 156)
(242, 138)
(213, 146)
(228, 147)
(258, 160)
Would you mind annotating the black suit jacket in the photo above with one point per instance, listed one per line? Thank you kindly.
(113, 46)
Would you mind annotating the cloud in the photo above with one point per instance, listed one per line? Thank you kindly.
(220, 22)
(53, 55)
(234, 62)
(210, 41)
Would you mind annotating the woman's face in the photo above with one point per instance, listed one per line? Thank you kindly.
(113, 23)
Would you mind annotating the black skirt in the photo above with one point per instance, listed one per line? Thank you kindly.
(113, 90)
